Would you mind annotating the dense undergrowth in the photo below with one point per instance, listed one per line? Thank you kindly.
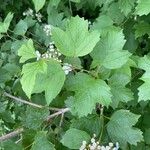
(75, 74)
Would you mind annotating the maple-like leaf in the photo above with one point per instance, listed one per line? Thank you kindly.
(109, 50)
(120, 128)
(88, 92)
(76, 40)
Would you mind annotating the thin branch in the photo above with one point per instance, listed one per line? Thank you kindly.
(22, 101)
(29, 103)
(11, 134)
(61, 120)
(70, 7)
(19, 131)
(55, 109)
(62, 111)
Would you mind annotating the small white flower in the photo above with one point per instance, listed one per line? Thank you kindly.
(117, 145)
(29, 12)
(84, 143)
(111, 144)
(94, 135)
(135, 18)
(108, 148)
(103, 148)
(92, 147)
(24, 13)
(82, 147)
(98, 147)
(47, 29)
(92, 140)
(38, 55)
(67, 68)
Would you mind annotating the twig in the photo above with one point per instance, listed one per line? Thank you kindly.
(29, 103)
(62, 111)
(19, 131)
(70, 7)
(61, 120)
(22, 101)
(11, 134)
(55, 109)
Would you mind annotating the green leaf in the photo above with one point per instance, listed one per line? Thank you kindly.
(41, 142)
(5, 76)
(5, 25)
(38, 4)
(143, 7)
(147, 136)
(27, 51)
(10, 145)
(55, 18)
(75, 62)
(21, 28)
(108, 51)
(52, 3)
(102, 24)
(76, 1)
(115, 13)
(120, 128)
(76, 40)
(29, 73)
(52, 81)
(126, 6)
(144, 89)
(141, 29)
(34, 117)
(117, 83)
(88, 92)
(91, 124)
(73, 138)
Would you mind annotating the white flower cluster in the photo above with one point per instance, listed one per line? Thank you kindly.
(29, 12)
(67, 68)
(95, 145)
(47, 29)
(51, 53)
(54, 54)
(39, 16)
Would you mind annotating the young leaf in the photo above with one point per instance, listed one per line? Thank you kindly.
(143, 7)
(144, 89)
(34, 117)
(73, 138)
(126, 6)
(108, 51)
(88, 92)
(91, 124)
(38, 4)
(21, 28)
(41, 142)
(27, 51)
(29, 73)
(10, 145)
(76, 40)
(117, 83)
(142, 28)
(5, 25)
(52, 81)
(115, 13)
(102, 24)
(120, 128)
